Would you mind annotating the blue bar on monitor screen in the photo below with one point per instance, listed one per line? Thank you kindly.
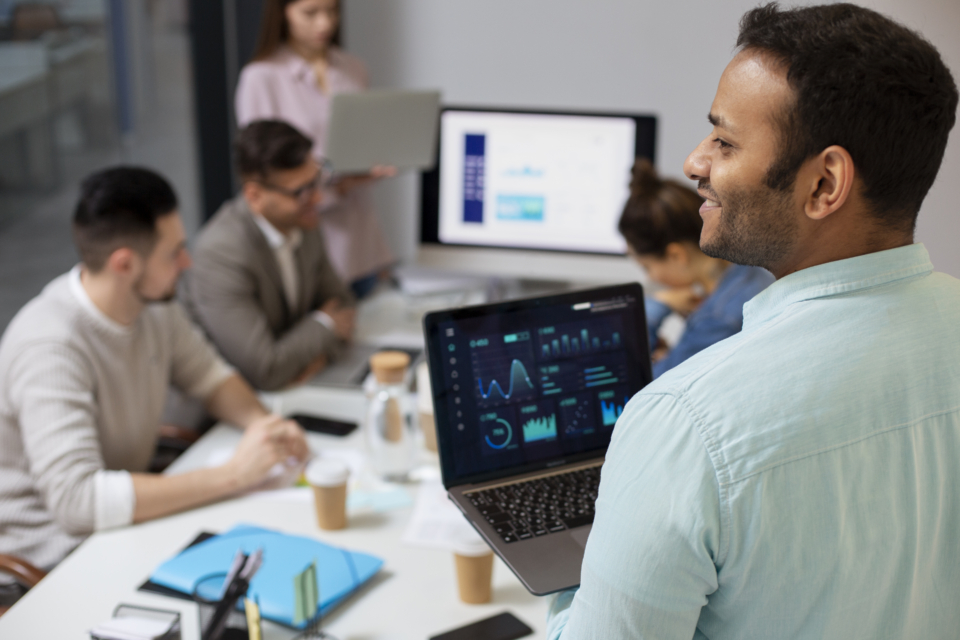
(473, 169)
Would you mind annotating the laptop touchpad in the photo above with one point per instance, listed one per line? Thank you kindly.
(580, 535)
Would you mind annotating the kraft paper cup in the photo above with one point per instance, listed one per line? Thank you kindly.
(328, 478)
(474, 562)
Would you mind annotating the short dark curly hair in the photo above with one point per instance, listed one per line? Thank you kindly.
(659, 212)
(867, 84)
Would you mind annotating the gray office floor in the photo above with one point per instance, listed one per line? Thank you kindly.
(35, 236)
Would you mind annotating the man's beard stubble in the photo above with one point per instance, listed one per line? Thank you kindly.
(755, 227)
(168, 296)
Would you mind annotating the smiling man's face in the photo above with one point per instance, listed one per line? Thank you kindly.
(744, 220)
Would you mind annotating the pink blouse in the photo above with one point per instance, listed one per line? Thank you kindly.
(284, 87)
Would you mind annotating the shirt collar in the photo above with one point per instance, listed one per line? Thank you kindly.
(274, 238)
(299, 68)
(92, 310)
(834, 278)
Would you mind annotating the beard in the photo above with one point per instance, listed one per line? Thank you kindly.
(166, 296)
(756, 227)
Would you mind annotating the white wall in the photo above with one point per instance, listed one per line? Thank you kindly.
(660, 57)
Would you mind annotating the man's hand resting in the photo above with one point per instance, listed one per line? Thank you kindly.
(682, 300)
(344, 318)
(266, 442)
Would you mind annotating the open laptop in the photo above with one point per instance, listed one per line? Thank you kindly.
(525, 396)
(397, 128)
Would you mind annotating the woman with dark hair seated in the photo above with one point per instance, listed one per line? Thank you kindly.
(661, 224)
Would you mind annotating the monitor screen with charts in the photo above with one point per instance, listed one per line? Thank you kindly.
(533, 180)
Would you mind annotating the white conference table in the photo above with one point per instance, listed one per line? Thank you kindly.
(414, 596)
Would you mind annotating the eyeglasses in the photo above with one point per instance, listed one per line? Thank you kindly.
(303, 193)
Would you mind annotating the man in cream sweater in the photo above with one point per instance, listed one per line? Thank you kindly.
(84, 370)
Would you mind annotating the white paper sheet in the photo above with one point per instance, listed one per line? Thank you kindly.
(436, 522)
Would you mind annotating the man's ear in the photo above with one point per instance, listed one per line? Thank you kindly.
(124, 262)
(829, 179)
(252, 193)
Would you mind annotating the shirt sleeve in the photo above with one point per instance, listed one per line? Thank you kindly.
(651, 558)
(114, 499)
(57, 411)
(196, 368)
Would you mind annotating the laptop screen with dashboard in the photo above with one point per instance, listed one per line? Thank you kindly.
(531, 384)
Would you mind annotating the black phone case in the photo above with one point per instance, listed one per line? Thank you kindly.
(503, 626)
(327, 426)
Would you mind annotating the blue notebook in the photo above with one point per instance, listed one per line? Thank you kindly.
(339, 571)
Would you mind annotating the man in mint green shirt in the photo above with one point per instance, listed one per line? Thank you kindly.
(800, 479)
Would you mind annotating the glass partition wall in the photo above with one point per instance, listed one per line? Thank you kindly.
(85, 84)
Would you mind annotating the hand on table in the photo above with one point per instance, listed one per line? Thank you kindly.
(344, 318)
(267, 442)
(346, 183)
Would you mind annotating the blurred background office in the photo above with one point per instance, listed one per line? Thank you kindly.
(89, 83)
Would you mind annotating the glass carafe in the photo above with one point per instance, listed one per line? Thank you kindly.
(389, 427)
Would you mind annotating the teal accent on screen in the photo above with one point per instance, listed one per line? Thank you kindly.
(339, 571)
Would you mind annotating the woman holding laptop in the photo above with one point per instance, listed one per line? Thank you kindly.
(295, 72)
(661, 223)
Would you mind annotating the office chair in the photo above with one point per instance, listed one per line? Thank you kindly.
(20, 570)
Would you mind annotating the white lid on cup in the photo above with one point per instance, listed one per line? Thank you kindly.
(470, 546)
(327, 472)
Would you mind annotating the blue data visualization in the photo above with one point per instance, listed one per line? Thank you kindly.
(497, 430)
(612, 402)
(578, 339)
(576, 415)
(538, 422)
(502, 365)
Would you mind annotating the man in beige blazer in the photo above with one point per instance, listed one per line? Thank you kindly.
(262, 287)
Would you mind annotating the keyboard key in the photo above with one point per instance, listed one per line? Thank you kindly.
(509, 537)
(578, 521)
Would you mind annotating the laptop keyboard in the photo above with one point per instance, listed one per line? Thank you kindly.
(540, 506)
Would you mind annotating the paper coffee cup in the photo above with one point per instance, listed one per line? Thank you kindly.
(474, 562)
(328, 478)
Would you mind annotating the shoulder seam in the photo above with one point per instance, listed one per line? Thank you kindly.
(719, 468)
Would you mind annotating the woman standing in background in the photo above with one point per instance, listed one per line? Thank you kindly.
(661, 223)
(295, 72)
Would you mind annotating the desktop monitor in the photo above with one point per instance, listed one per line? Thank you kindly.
(532, 193)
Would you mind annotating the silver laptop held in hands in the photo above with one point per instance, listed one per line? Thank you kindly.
(396, 128)
(525, 395)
